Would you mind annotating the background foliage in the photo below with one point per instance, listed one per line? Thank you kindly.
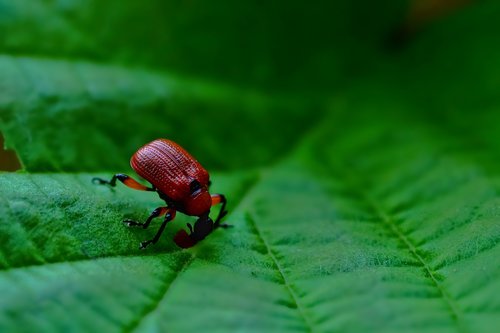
(358, 144)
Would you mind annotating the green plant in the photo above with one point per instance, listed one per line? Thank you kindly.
(363, 185)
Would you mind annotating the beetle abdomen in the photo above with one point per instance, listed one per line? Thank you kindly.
(169, 168)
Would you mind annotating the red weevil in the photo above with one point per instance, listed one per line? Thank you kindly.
(181, 182)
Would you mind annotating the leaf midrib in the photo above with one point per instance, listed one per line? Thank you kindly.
(285, 281)
(131, 327)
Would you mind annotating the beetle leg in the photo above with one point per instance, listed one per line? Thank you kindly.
(169, 216)
(217, 199)
(160, 211)
(128, 181)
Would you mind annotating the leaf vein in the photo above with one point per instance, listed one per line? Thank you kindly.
(161, 295)
(38, 256)
(393, 227)
(285, 281)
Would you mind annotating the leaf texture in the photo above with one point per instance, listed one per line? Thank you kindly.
(371, 208)
(380, 230)
(48, 106)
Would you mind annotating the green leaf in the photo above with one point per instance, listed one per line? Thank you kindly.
(117, 110)
(371, 209)
(374, 227)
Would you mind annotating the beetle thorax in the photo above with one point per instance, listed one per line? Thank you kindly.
(198, 203)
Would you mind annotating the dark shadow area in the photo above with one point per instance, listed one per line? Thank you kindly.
(422, 13)
(8, 158)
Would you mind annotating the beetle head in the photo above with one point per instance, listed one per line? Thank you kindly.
(203, 226)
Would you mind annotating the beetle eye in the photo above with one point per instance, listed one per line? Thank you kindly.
(194, 186)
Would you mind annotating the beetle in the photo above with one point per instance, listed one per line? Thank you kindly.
(181, 182)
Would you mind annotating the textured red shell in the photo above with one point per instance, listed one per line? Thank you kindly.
(169, 167)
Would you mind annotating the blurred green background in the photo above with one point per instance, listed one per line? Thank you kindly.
(265, 45)
(116, 74)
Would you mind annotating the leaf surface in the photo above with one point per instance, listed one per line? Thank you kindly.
(366, 229)
(371, 209)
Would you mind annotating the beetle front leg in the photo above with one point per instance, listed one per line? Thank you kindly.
(126, 180)
(217, 199)
(169, 216)
(160, 211)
